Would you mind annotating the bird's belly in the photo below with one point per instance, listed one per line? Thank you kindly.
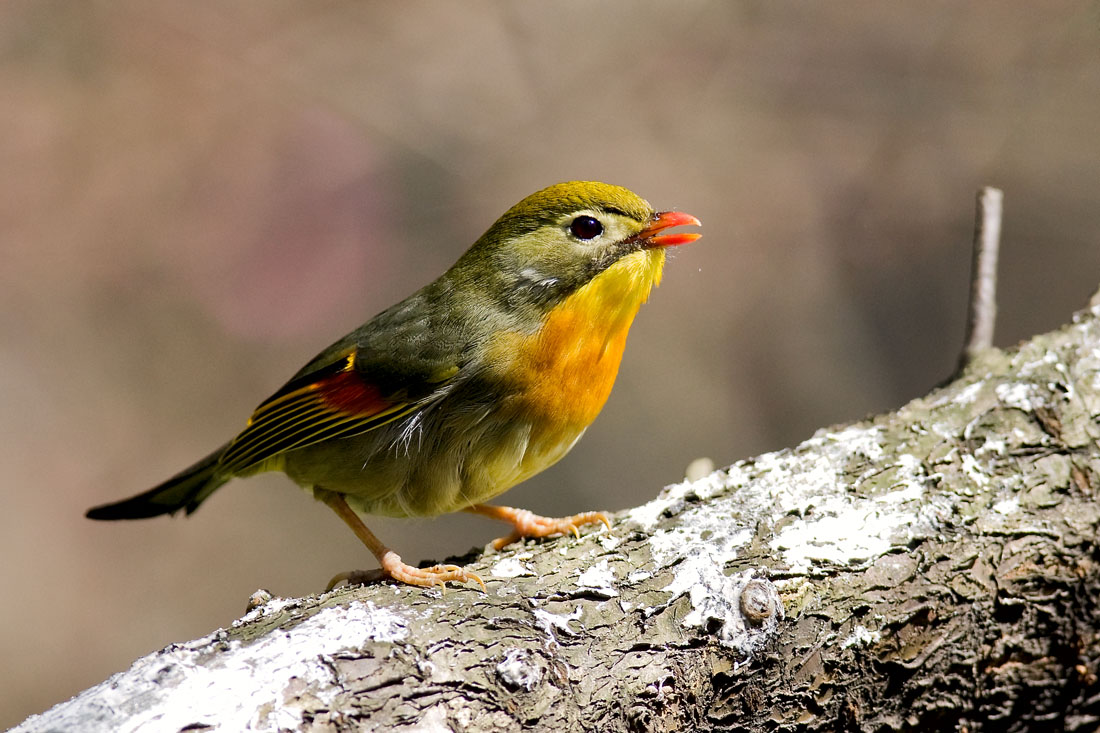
(436, 467)
(507, 454)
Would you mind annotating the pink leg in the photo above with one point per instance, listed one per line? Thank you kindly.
(392, 566)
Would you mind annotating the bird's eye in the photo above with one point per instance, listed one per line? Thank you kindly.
(586, 227)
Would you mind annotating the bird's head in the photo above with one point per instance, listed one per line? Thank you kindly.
(563, 237)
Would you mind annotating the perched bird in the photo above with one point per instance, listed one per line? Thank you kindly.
(469, 386)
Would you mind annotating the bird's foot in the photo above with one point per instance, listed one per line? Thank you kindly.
(529, 524)
(394, 568)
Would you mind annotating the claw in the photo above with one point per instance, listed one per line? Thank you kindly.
(337, 580)
(501, 542)
(427, 577)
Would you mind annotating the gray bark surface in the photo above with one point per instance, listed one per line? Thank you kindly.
(930, 569)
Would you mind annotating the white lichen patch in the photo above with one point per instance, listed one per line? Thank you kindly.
(994, 446)
(551, 622)
(599, 577)
(910, 487)
(609, 541)
(829, 539)
(861, 440)
(830, 529)
(823, 525)
(861, 636)
(974, 470)
(1087, 367)
(229, 684)
(510, 567)
(518, 670)
(965, 396)
(1007, 506)
(704, 542)
(375, 623)
(1017, 394)
(698, 544)
(1049, 360)
(648, 514)
(845, 529)
(716, 596)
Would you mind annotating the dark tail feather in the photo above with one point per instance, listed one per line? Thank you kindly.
(185, 490)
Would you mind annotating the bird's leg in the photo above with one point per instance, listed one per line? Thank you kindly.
(392, 566)
(529, 524)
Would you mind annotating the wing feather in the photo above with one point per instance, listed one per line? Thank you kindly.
(335, 401)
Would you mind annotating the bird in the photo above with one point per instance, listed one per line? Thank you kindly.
(476, 382)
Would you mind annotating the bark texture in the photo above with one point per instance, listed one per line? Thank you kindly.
(930, 569)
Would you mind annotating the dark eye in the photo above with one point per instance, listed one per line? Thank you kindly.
(586, 227)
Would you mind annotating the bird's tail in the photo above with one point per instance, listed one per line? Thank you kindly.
(186, 490)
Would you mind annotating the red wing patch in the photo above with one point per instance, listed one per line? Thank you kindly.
(339, 404)
(347, 392)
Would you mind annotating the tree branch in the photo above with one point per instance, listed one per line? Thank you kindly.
(930, 569)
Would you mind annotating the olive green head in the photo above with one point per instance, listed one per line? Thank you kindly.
(557, 239)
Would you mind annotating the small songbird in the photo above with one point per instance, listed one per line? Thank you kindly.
(469, 386)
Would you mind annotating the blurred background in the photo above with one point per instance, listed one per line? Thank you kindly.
(197, 197)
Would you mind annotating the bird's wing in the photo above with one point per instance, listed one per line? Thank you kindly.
(333, 397)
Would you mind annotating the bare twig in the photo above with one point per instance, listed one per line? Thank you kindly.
(982, 311)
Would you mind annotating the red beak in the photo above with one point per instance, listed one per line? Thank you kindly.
(665, 220)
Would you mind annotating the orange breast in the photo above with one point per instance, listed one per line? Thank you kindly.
(570, 368)
(565, 370)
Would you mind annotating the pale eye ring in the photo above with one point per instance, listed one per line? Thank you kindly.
(586, 227)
